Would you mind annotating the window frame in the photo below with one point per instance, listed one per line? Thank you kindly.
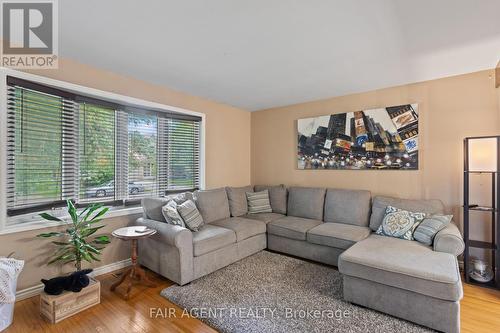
(33, 221)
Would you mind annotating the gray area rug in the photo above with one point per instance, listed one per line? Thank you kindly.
(269, 292)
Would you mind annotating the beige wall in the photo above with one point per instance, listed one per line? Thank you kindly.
(35, 251)
(227, 147)
(450, 109)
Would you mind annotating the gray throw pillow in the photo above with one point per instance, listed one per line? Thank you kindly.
(399, 223)
(258, 202)
(430, 226)
(171, 214)
(190, 214)
(238, 200)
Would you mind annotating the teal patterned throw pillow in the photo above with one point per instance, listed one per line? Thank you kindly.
(399, 223)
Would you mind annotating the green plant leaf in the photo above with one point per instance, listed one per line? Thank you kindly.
(102, 240)
(101, 213)
(63, 250)
(94, 257)
(72, 211)
(69, 261)
(60, 243)
(90, 231)
(83, 211)
(94, 221)
(64, 256)
(86, 256)
(50, 234)
(92, 249)
(92, 208)
(49, 217)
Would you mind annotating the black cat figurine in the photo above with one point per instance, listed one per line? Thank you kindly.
(74, 282)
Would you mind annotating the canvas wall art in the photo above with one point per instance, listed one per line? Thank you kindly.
(384, 138)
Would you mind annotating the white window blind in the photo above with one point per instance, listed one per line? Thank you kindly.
(179, 154)
(142, 157)
(183, 154)
(65, 146)
(41, 148)
(97, 153)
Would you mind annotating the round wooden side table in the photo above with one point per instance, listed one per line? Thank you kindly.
(135, 272)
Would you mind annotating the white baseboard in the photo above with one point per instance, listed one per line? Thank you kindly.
(111, 267)
(36, 290)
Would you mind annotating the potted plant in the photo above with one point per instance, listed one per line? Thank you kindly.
(75, 244)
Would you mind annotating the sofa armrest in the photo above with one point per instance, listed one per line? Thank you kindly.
(169, 252)
(173, 235)
(449, 240)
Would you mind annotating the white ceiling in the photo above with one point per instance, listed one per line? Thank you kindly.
(265, 53)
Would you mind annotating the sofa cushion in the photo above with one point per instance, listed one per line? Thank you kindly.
(292, 227)
(210, 238)
(264, 217)
(212, 204)
(348, 206)
(306, 202)
(152, 206)
(380, 203)
(244, 228)
(277, 195)
(238, 200)
(337, 235)
(403, 264)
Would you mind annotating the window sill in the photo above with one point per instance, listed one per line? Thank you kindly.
(20, 223)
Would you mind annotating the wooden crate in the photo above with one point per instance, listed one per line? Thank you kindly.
(55, 308)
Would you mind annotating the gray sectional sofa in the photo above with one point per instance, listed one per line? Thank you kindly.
(403, 278)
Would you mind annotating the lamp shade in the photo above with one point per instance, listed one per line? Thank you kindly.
(482, 154)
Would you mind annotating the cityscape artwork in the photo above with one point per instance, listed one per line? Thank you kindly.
(384, 138)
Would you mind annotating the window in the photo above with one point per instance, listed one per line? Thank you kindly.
(97, 152)
(66, 146)
(184, 137)
(142, 155)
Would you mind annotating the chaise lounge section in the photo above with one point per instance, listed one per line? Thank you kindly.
(403, 278)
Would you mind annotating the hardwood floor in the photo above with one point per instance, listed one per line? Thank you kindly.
(480, 312)
(114, 314)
